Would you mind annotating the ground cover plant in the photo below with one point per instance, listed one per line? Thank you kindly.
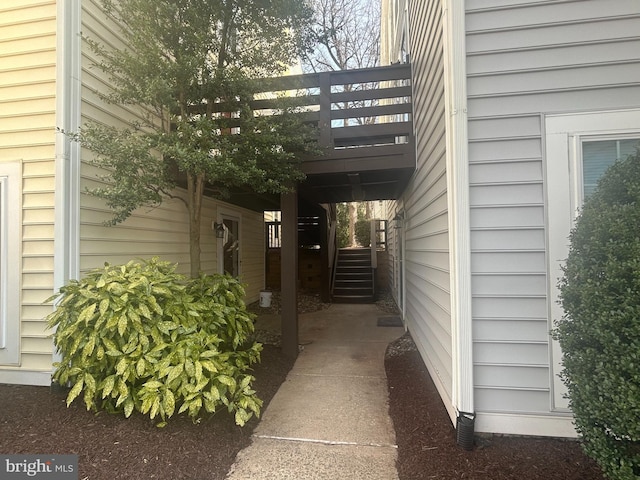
(140, 337)
(600, 333)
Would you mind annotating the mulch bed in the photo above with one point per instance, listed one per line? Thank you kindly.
(427, 441)
(35, 420)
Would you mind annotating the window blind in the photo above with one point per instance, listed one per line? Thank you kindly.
(599, 155)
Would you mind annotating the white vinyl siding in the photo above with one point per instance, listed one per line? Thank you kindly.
(526, 59)
(27, 140)
(427, 304)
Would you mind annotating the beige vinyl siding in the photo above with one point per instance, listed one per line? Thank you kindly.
(427, 276)
(149, 232)
(27, 135)
(253, 253)
(162, 231)
(525, 59)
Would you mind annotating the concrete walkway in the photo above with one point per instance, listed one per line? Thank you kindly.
(329, 419)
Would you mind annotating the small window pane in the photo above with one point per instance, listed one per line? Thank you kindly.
(600, 155)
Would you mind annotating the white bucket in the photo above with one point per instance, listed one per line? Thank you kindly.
(265, 299)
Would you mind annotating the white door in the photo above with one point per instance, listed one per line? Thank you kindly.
(579, 148)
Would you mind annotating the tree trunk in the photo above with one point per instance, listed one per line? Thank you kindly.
(195, 190)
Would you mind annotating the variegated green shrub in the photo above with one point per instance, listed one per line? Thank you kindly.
(142, 337)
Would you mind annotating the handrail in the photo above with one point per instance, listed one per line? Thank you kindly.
(373, 243)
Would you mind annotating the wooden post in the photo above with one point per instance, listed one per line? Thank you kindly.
(325, 276)
(289, 273)
(324, 123)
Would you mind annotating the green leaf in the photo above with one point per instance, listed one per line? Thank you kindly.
(144, 310)
(123, 389)
(241, 417)
(141, 367)
(128, 407)
(215, 393)
(202, 383)
(109, 345)
(122, 325)
(146, 403)
(210, 353)
(87, 313)
(104, 306)
(155, 407)
(198, 371)
(122, 366)
(89, 383)
(153, 385)
(107, 386)
(189, 367)
(175, 373)
(88, 348)
(75, 391)
(228, 381)
(208, 365)
(169, 403)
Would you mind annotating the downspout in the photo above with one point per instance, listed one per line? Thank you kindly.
(453, 16)
(67, 161)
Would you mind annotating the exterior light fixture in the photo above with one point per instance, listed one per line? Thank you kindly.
(398, 220)
(219, 229)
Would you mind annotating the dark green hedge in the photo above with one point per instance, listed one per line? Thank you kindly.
(600, 333)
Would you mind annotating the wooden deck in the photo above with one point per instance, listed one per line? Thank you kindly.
(365, 131)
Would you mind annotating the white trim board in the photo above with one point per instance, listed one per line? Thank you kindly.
(563, 134)
(26, 377)
(458, 204)
(11, 259)
(560, 426)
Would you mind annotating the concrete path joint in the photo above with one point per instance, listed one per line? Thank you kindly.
(326, 442)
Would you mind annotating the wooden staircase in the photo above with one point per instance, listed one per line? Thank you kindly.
(353, 281)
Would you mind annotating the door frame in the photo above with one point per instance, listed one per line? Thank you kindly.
(234, 216)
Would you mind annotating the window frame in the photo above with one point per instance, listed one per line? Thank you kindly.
(564, 134)
(10, 261)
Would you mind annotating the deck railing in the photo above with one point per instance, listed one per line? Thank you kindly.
(366, 109)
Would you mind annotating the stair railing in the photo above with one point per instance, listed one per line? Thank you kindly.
(373, 244)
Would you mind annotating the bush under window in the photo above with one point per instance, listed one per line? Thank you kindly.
(600, 332)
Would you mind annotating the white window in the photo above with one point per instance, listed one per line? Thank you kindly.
(10, 208)
(598, 154)
(579, 149)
